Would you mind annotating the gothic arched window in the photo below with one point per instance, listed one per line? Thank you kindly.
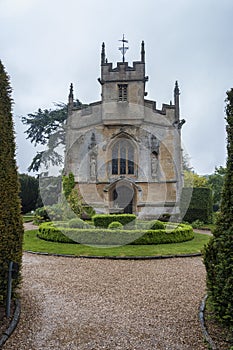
(123, 158)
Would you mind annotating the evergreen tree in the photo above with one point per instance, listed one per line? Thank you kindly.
(11, 226)
(29, 192)
(218, 255)
(215, 182)
(47, 128)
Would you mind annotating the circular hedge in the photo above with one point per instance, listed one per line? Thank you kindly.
(171, 234)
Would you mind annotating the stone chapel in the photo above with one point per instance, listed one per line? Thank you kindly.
(125, 153)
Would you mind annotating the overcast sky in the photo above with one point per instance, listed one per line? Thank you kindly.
(46, 45)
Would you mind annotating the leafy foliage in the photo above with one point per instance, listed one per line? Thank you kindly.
(46, 128)
(29, 192)
(113, 237)
(115, 225)
(50, 189)
(156, 225)
(68, 184)
(192, 179)
(72, 194)
(218, 255)
(77, 223)
(200, 206)
(11, 226)
(41, 215)
(75, 202)
(103, 220)
(215, 182)
(186, 162)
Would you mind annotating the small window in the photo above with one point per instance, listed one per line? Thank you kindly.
(122, 92)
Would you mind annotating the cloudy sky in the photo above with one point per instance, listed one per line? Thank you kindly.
(46, 45)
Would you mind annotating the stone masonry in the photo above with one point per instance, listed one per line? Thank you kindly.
(126, 154)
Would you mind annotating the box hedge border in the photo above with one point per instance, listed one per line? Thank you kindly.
(115, 237)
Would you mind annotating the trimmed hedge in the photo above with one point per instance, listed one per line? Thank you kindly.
(115, 237)
(50, 233)
(156, 225)
(103, 220)
(200, 206)
(77, 223)
(11, 224)
(115, 225)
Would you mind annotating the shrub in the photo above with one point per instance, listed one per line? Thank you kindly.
(88, 212)
(115, 225)
(41, 215)
(68, 183)
(197, 224)
(50, 233)
(103, 220)
(200, 206)
(115, 237)
(156, 225)
(180, 234)
(77, 223)
(29, 189)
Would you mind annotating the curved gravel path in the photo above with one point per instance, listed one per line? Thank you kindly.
(71, 304)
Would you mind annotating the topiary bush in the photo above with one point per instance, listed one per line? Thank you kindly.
(115, 225)
(156, 225)
(103, 220)
(77, 223)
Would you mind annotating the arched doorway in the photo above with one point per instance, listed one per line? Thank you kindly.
(123, 198)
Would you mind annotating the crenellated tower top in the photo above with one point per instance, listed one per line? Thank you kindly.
(123, 83)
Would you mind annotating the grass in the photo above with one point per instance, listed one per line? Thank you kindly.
(28, 217)
(210, 227)
(33, 243)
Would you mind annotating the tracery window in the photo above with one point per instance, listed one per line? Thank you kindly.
(123, 158)
(122, 92)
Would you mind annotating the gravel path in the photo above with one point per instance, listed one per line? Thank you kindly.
(84, 304)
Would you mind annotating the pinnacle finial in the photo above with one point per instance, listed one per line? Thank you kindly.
(71, 95)
(70, 99)
(176, 90)
(103, 54)
(143, 52)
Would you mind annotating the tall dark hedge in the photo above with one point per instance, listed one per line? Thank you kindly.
(199, 207)
(11, 226)
(218, 255)
(29, 191)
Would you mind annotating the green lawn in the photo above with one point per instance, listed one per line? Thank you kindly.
(32, 243)
(28, 217)
(210, 227)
